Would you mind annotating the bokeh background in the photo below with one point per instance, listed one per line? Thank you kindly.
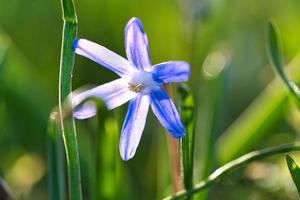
(223, 40)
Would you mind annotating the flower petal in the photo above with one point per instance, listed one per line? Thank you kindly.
(166, 112)
(114, 94)
(172, 71)
(136, 44)
(103, 56)
(86, 110)
(133, 126)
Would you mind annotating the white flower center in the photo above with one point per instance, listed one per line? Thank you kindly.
(141, 82)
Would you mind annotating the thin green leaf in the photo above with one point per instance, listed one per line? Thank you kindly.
(275, 57)
(274, 49)
(56, 181)
(65, 88)
(295, 171)
(232, 166)
(186, 103)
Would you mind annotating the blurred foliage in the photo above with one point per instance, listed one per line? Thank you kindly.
(30, 36)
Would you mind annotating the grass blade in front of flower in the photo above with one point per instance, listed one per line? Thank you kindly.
(65, 88)
(295, 171)
(275, 57)
(252, 125)
(187, 111)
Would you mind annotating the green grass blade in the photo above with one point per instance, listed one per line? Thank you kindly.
(56, 181)
(233, 165)
(65, 88)
(186, 104)
(275, 57)
(295, 171)
(274, 49)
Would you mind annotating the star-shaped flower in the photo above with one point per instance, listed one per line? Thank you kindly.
(140, 84)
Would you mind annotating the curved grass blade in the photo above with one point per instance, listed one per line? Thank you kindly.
(233, 165)
(56, 181)
(186, 104)
(295, 171)
(275, 57)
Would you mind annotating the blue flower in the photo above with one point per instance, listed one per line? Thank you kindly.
(140, 84)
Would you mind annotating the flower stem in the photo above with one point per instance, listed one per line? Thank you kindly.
(65, 87)
(187, 110)
(174, 153)
(232, 165)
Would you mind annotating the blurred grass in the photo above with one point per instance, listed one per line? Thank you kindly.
(257, 119)
(182, 30)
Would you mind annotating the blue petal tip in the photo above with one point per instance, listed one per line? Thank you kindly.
(126, 157)
(75, 44)
(178, 136)
(137, 21)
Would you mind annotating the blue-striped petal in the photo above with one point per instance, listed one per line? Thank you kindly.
(103, 56)
(136, 44)
(172, 71)
(133, 126)
(166, 112)
(114, 94)
(86, 110)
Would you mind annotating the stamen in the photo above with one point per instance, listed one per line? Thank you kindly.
(135, 87)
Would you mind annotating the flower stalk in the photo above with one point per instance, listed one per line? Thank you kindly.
(174, 152)
(65, 87)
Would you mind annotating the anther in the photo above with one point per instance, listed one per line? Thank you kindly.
(135, 87)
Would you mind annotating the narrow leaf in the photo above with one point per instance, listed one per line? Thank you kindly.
(295, 171)
(186, 104)
(275, 57)
(56, 182)
(274, 49)
(231, 166)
